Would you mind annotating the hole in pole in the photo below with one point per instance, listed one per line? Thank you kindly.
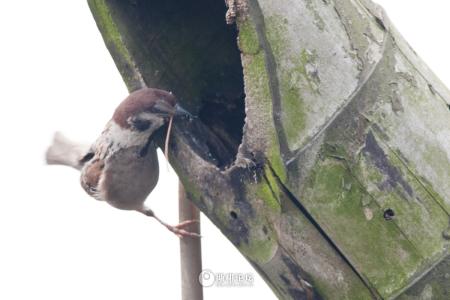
(187, 48)
(388, 214)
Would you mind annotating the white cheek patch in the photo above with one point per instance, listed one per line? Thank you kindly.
(115, 137)
(126, 137)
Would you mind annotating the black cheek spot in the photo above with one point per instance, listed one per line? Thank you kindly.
(141, 125)
(144, 151)
(87, 157)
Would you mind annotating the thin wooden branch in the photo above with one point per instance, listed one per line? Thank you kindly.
(190, 250)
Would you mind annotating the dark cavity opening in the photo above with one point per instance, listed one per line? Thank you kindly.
(186, 47)
(233, 214)
(388, 214)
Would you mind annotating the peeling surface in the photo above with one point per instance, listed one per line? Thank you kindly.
(393, 175)
(367, 244)
(417, 214)
(417, 64)
(396, 100)
(422, 140)
(337, 71)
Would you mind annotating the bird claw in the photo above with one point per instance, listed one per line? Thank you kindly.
(181, 232)
(186, 223)
(177, 229)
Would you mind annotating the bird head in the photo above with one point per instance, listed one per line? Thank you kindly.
(146, 110)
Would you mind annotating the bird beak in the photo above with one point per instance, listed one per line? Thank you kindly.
(179, 111)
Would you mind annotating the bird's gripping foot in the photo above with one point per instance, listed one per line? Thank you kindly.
(178, 229)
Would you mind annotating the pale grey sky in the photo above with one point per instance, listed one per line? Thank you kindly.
(58, 243)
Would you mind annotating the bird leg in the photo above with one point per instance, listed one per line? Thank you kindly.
(177, 229)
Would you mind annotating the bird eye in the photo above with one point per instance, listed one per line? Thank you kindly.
(140, 124)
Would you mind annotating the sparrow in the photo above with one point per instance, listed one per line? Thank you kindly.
(121, 166)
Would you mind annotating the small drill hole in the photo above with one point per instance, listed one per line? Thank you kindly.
(388, 214)
(380, 23)
(432, 90)
(233, 214)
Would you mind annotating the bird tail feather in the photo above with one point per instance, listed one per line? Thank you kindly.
(65, 152)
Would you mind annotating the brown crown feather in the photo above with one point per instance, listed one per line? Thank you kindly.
(140, 101)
